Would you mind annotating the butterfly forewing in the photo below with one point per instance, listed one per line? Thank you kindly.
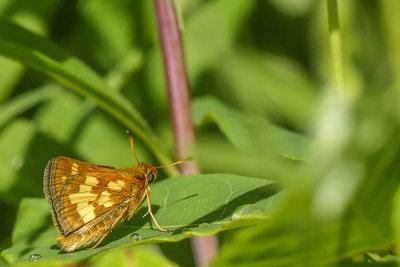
(83, 194)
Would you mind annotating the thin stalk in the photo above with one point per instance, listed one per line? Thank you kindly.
(204, 248)
(335, 42)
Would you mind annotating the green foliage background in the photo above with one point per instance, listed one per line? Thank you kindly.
(296, 172)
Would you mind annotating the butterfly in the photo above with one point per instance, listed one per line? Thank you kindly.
(87, 201)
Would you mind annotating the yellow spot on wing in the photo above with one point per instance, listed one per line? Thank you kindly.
(82, 205)
(121, 183)
(86, 212)
(91, 180)
(81, 197)
(74, 169)
(105, 196)
(117, 186)
(85, 188)
(104, 199)
(108, 204)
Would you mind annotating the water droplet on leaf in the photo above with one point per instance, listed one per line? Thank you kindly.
(235, 216)
(35, 257)
(204, 225)
(17, 162)
(135, 237)
(247, 210)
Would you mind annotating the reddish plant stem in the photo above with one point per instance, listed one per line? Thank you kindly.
(178, 89)
(204, 248)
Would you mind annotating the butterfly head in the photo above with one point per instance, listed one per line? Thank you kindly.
(150, 172)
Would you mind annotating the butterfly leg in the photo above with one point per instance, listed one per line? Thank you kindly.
(151, 212)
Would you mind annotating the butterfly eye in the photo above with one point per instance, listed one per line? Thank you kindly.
(149, 177)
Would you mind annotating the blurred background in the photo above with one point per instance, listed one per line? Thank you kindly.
(263, 103)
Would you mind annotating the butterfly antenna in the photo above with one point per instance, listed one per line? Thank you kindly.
(174, 163)
(132, 144)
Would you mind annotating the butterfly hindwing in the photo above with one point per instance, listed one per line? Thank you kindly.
(94, 231)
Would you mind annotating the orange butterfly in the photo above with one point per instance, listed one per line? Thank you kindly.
(88, 201)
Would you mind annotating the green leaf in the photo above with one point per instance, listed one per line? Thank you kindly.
(211, 31)
(132, 256)
(11, 73)
(23, 159)
(136, 256)
(36, 18)
(90, 143)
(293, 7)
(268, 85)
(35, 51)
(341, 204)
(324, 243)
(112, 23)
(19, 132)
(242, 131)
(186, 205)
(119, 76)
(24, 102)
(67, 120)
(59, 116)
(232, 123)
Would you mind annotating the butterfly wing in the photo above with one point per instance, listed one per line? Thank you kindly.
(87, 200)
(59, 172)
